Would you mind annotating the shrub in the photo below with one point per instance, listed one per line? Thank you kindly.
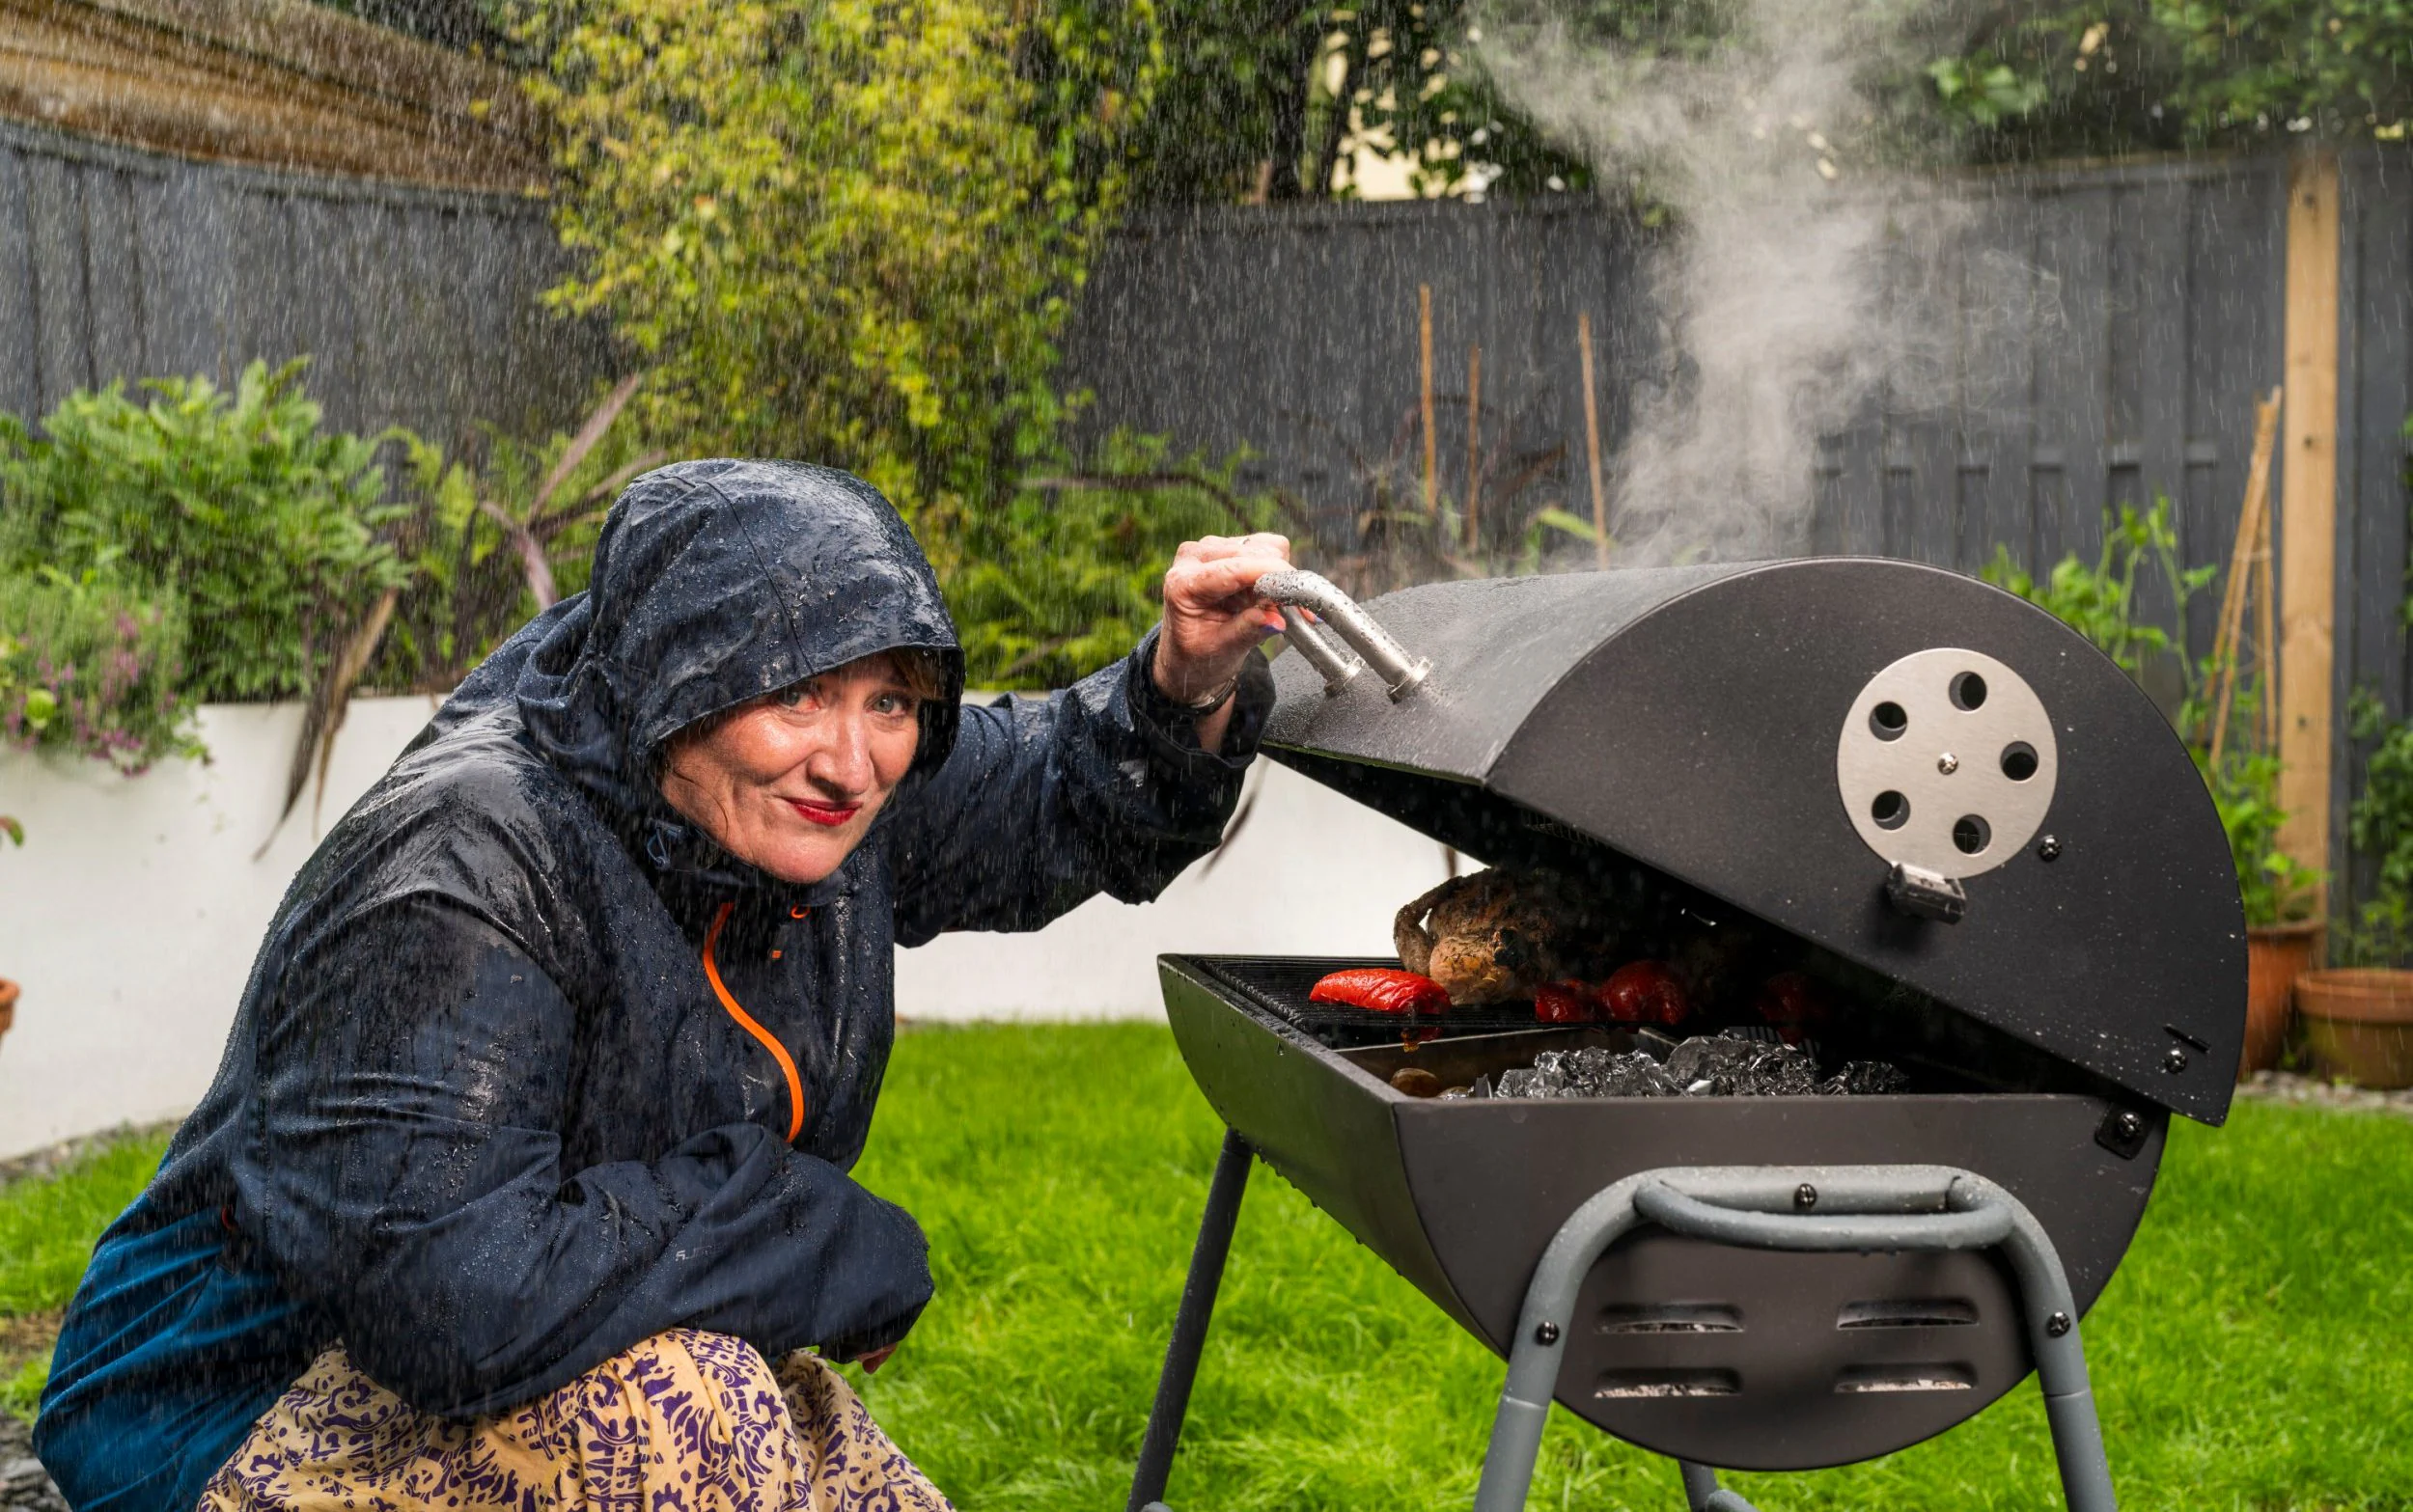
(1069, 573)
(234, 502)
(89, 668)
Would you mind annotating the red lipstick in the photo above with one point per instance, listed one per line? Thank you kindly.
(830, 814)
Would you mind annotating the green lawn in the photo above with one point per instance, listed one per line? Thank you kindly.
(2253, 1350)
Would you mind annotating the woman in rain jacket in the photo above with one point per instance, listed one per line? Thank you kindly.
(524, 1177)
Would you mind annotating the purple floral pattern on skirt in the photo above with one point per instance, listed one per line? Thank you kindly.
(686, 1421)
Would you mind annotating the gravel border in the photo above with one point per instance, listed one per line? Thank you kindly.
(24, 1485)
(2311, 1092)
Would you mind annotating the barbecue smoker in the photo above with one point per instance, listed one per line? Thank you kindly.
(1949, 797)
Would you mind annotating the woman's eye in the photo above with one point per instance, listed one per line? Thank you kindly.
(795, 695)
(894, 703)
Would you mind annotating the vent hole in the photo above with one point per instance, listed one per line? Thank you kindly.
(2019, 760)
(1926, 1312)
(1643, 1385)
(1891, 810)
(1674, 1317)
(1887, 721)
(1968, 692)
(1971, 834)
(1864, 1380)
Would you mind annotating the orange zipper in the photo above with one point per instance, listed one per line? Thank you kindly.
(746, 1022)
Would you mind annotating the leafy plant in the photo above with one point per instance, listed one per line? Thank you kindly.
(235, 502)
(491, 547)
(1068, 575)
(2099, 599)
(87, 667)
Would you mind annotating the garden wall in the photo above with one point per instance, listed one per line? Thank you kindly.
(131, 914)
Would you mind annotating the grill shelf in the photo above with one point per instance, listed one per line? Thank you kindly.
(1279, 985)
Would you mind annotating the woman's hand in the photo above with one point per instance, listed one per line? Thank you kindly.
(1214, 620)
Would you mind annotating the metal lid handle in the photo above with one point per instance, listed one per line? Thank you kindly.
(1298, 588)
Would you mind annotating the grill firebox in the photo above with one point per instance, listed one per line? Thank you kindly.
(1744, 1358)
(2015, 875)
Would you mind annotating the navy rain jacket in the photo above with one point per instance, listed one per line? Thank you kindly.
(484, 1117)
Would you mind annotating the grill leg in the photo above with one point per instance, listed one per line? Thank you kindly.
(1703, 1494)
(1189, 1324)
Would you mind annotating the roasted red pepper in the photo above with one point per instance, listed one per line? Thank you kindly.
(1645, 992)
(1382, 990)
(1793, 1004)
(1563, 1002)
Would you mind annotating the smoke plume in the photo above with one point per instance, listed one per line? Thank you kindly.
(1775, 324)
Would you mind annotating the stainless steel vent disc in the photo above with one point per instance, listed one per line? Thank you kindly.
(1947, 761)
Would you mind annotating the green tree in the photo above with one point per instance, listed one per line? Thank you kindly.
(842, 229)
(1248, 103)
(2046, 77)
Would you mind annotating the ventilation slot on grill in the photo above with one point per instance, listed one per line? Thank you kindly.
(1860, 1380)
(1673, 1317)
(1928, 1312)
(1640, 1384)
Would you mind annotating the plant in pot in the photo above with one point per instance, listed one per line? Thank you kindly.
(2282, 936)
(2358, 1018)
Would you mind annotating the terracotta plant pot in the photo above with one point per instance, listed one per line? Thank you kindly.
(2275, 956)
(2359, 1025)
(7, 1006)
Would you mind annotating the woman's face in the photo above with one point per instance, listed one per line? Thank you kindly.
(789, 782)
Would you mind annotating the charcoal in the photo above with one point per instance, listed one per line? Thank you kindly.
(1865, 1079)
(1590, 1072)
(1532, 1082)
(1634, 1074)
(1733, 1065)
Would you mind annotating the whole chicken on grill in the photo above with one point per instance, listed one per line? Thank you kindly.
(1492, 937)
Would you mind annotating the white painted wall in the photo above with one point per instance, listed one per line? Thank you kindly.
(132, 912)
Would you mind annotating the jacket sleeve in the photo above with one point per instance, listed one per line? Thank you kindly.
(405, 1177)
(1045, 803)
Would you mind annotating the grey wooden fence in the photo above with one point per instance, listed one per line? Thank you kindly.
(416, 307)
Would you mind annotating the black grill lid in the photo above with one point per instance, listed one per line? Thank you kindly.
(1689, 718)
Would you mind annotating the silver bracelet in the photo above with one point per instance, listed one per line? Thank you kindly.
(1212, 702)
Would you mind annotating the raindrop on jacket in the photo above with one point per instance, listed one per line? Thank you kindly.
(485, 1116)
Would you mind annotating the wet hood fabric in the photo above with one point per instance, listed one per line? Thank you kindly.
(486, 1116)
(713, 583)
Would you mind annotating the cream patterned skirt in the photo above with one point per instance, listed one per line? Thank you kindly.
(686, 1421)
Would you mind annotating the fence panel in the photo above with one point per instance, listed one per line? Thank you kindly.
(415, 306)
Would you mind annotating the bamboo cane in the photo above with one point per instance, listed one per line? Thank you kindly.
(1592, 446)
(2266, 654)
(2252, 527)
(1473, 443)
(1424, 341)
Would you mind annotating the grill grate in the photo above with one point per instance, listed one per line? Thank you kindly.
(1279, 985)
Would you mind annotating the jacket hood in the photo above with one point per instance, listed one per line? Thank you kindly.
(715, 581)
